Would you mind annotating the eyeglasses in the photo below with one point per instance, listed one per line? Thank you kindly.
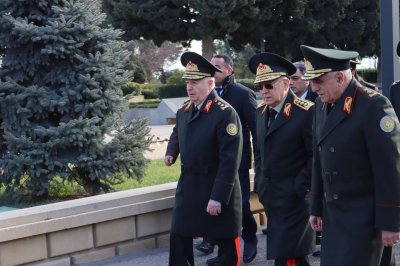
(267, 86)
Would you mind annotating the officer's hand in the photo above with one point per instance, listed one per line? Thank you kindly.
(316, 223)
(390, 238)
(213, 207)
(168, 160)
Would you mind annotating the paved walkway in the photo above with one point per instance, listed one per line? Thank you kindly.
(159, 257)
(161, 136)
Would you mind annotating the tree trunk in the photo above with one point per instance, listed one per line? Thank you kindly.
(262, 45)
(207, 47)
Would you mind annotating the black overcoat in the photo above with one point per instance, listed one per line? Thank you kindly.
(243, 100)
(284, 176)
(356, 176)
(210, 145)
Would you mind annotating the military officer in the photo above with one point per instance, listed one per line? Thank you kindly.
(388, 258)
(284, 149)
(243, 100)
(208, 198)
(355, 178)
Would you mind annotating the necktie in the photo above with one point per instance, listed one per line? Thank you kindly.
(330, 107)
(195, 110)
(219, 90)
(271, 117)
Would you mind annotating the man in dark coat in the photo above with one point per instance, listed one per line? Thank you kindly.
(208, 197)
(388, 257)
(300, 87)
(284, 148)
(243, 100)
(355, 193)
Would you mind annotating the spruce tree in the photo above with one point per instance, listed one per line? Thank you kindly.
(61, 107)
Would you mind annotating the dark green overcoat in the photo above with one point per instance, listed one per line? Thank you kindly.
(283, 178)
(356, 176)
(210, 145)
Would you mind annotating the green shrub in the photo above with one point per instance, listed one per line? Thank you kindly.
(176, 77)
(249, 83)
(132, 88)
(148, 103)
(368, 74)
(150, 91)
(162, 91)
(172, 91)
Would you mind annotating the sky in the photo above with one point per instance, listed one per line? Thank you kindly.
(195, 46)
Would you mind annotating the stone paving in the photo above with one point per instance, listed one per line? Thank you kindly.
(159, 257)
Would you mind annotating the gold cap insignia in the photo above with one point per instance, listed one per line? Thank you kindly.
(192, 67)
(263, 69)
(309, 66)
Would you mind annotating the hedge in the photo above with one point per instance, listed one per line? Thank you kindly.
(162, 91)
(368, 74)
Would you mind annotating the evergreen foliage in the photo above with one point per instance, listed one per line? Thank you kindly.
(180, 20)
(283, 25)
(60, 98)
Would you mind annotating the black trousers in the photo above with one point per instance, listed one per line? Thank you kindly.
(298, 261)
(181, 251)
(249, 225)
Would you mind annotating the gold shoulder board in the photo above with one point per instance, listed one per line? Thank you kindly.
(260, 105)
(220, 104)
(370, 92)
(303, 104)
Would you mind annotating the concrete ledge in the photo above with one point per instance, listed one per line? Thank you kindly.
(90, 229)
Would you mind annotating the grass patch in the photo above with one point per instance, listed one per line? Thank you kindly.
(156, 173)
(147, 103)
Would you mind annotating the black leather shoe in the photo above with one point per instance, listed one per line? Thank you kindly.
(264, 231)
(250, 250)
(205, 247)
(213, 262)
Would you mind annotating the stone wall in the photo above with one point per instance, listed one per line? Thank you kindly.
(90, 229)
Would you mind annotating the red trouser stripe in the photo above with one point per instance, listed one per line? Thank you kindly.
(237, 245)
(291, 262)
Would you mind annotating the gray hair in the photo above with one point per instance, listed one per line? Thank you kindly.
(347, 74)
(300, 66)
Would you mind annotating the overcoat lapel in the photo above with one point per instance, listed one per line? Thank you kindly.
(280, 118)
(329, 122)
(204, 107)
